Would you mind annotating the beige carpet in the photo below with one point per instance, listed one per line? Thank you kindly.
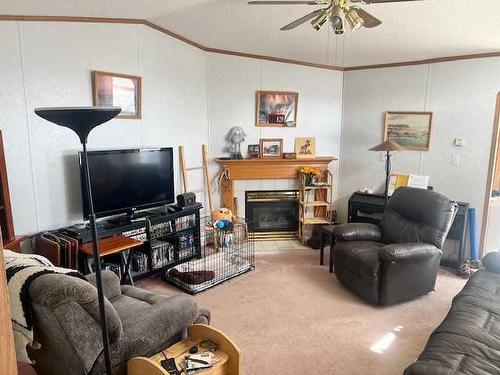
(290, 316)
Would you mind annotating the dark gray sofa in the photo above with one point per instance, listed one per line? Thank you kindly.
(468, 340)
(66, 323)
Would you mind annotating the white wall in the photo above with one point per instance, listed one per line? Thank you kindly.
(49, 64)
(232, 86)
(189, 97)
(462, 95)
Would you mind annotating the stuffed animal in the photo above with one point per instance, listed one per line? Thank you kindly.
(223, 218)
(223, 214)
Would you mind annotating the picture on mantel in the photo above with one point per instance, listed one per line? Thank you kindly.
(277, 109)
(305, 147)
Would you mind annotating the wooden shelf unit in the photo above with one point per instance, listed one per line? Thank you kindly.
(317, 198)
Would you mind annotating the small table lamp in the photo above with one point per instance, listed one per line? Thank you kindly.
(82, 120)
(388, 146)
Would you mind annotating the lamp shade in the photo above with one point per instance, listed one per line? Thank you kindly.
(388, 146)
(79, 119)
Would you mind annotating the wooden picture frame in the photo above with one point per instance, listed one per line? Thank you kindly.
(271, 148)
(412, 130)
(305, 147)
(120, 90)
(277, 109)
(253, 151)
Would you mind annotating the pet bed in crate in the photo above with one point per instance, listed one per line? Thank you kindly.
(224, 255)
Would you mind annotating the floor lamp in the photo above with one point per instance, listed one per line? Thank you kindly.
(388, 147)
(82, 120)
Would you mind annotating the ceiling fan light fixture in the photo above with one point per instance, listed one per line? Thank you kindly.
(319, 21)
(355, 21)
(336, 17)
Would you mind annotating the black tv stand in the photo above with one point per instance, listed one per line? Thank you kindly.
(175, 236)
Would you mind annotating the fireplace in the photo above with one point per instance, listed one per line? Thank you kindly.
(272, 214)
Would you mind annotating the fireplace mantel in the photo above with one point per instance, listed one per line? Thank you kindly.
(270, 169)
(262, 169)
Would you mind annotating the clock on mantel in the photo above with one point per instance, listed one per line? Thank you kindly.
(262, 169)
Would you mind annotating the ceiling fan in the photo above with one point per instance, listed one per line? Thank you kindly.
(336, 11)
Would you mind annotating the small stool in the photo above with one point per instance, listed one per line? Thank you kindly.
(326, 232)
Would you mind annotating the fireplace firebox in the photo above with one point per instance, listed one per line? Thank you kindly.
(272, 215)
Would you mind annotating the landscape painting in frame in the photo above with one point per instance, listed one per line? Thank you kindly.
(271, 148)
(277, 109)
(118, 90)
(411, 130)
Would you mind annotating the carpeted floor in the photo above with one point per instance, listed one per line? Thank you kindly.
(290, 316)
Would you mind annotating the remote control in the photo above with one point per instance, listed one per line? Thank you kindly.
(169, 365)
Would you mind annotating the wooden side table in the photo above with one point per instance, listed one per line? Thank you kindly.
(110, 246)
(227, 352)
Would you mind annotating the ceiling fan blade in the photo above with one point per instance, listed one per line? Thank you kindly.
(369, 20)
(380, 1)
(301, 20)
(282, 3)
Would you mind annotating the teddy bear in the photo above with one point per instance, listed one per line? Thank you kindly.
(223, 218)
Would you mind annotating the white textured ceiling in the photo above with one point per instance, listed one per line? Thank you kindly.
(411, 30)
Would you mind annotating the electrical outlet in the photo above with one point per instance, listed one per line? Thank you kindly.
(455, 159)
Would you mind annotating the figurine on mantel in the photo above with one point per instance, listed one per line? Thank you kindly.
(235, 138)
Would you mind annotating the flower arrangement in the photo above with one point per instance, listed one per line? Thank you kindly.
(310, 173)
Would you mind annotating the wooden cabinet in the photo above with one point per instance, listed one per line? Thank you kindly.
(11, 241)
(7, 353)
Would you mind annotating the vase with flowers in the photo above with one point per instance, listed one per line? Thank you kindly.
(310, 173)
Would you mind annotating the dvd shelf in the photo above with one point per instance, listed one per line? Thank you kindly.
(185, 222)
(168, 240)
(139, 262)
(162, 253)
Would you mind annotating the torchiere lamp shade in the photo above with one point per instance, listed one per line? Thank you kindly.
(79, 119)
(82, 120)
(388, 146)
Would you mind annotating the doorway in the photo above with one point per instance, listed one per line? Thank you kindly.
(490, 238)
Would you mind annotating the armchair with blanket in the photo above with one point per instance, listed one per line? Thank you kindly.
(398, 259)
(66, 323)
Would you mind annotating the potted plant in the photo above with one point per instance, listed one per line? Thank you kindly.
(310, 173)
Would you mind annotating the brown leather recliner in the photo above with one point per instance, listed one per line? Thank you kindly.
(398, 259)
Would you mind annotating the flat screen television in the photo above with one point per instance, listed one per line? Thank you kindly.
(124, 181)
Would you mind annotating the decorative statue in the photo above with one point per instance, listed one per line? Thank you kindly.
(235, 138)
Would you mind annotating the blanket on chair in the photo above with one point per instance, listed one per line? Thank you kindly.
(22, 270)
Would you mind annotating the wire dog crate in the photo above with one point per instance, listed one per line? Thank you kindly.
(224, 254)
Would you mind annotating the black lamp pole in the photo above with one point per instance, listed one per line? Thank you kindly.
(82, 120)
(388, 165)
(387, 147)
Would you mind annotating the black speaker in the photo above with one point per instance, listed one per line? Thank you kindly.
(186, 199)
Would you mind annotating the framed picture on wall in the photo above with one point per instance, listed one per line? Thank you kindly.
(119, 90)
(277, 109)
(411, 130)
(271, 148)
(305, 147)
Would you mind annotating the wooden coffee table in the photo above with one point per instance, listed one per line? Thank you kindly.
(227, 352)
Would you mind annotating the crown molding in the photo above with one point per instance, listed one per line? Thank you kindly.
(424, 62)
(138, 21)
